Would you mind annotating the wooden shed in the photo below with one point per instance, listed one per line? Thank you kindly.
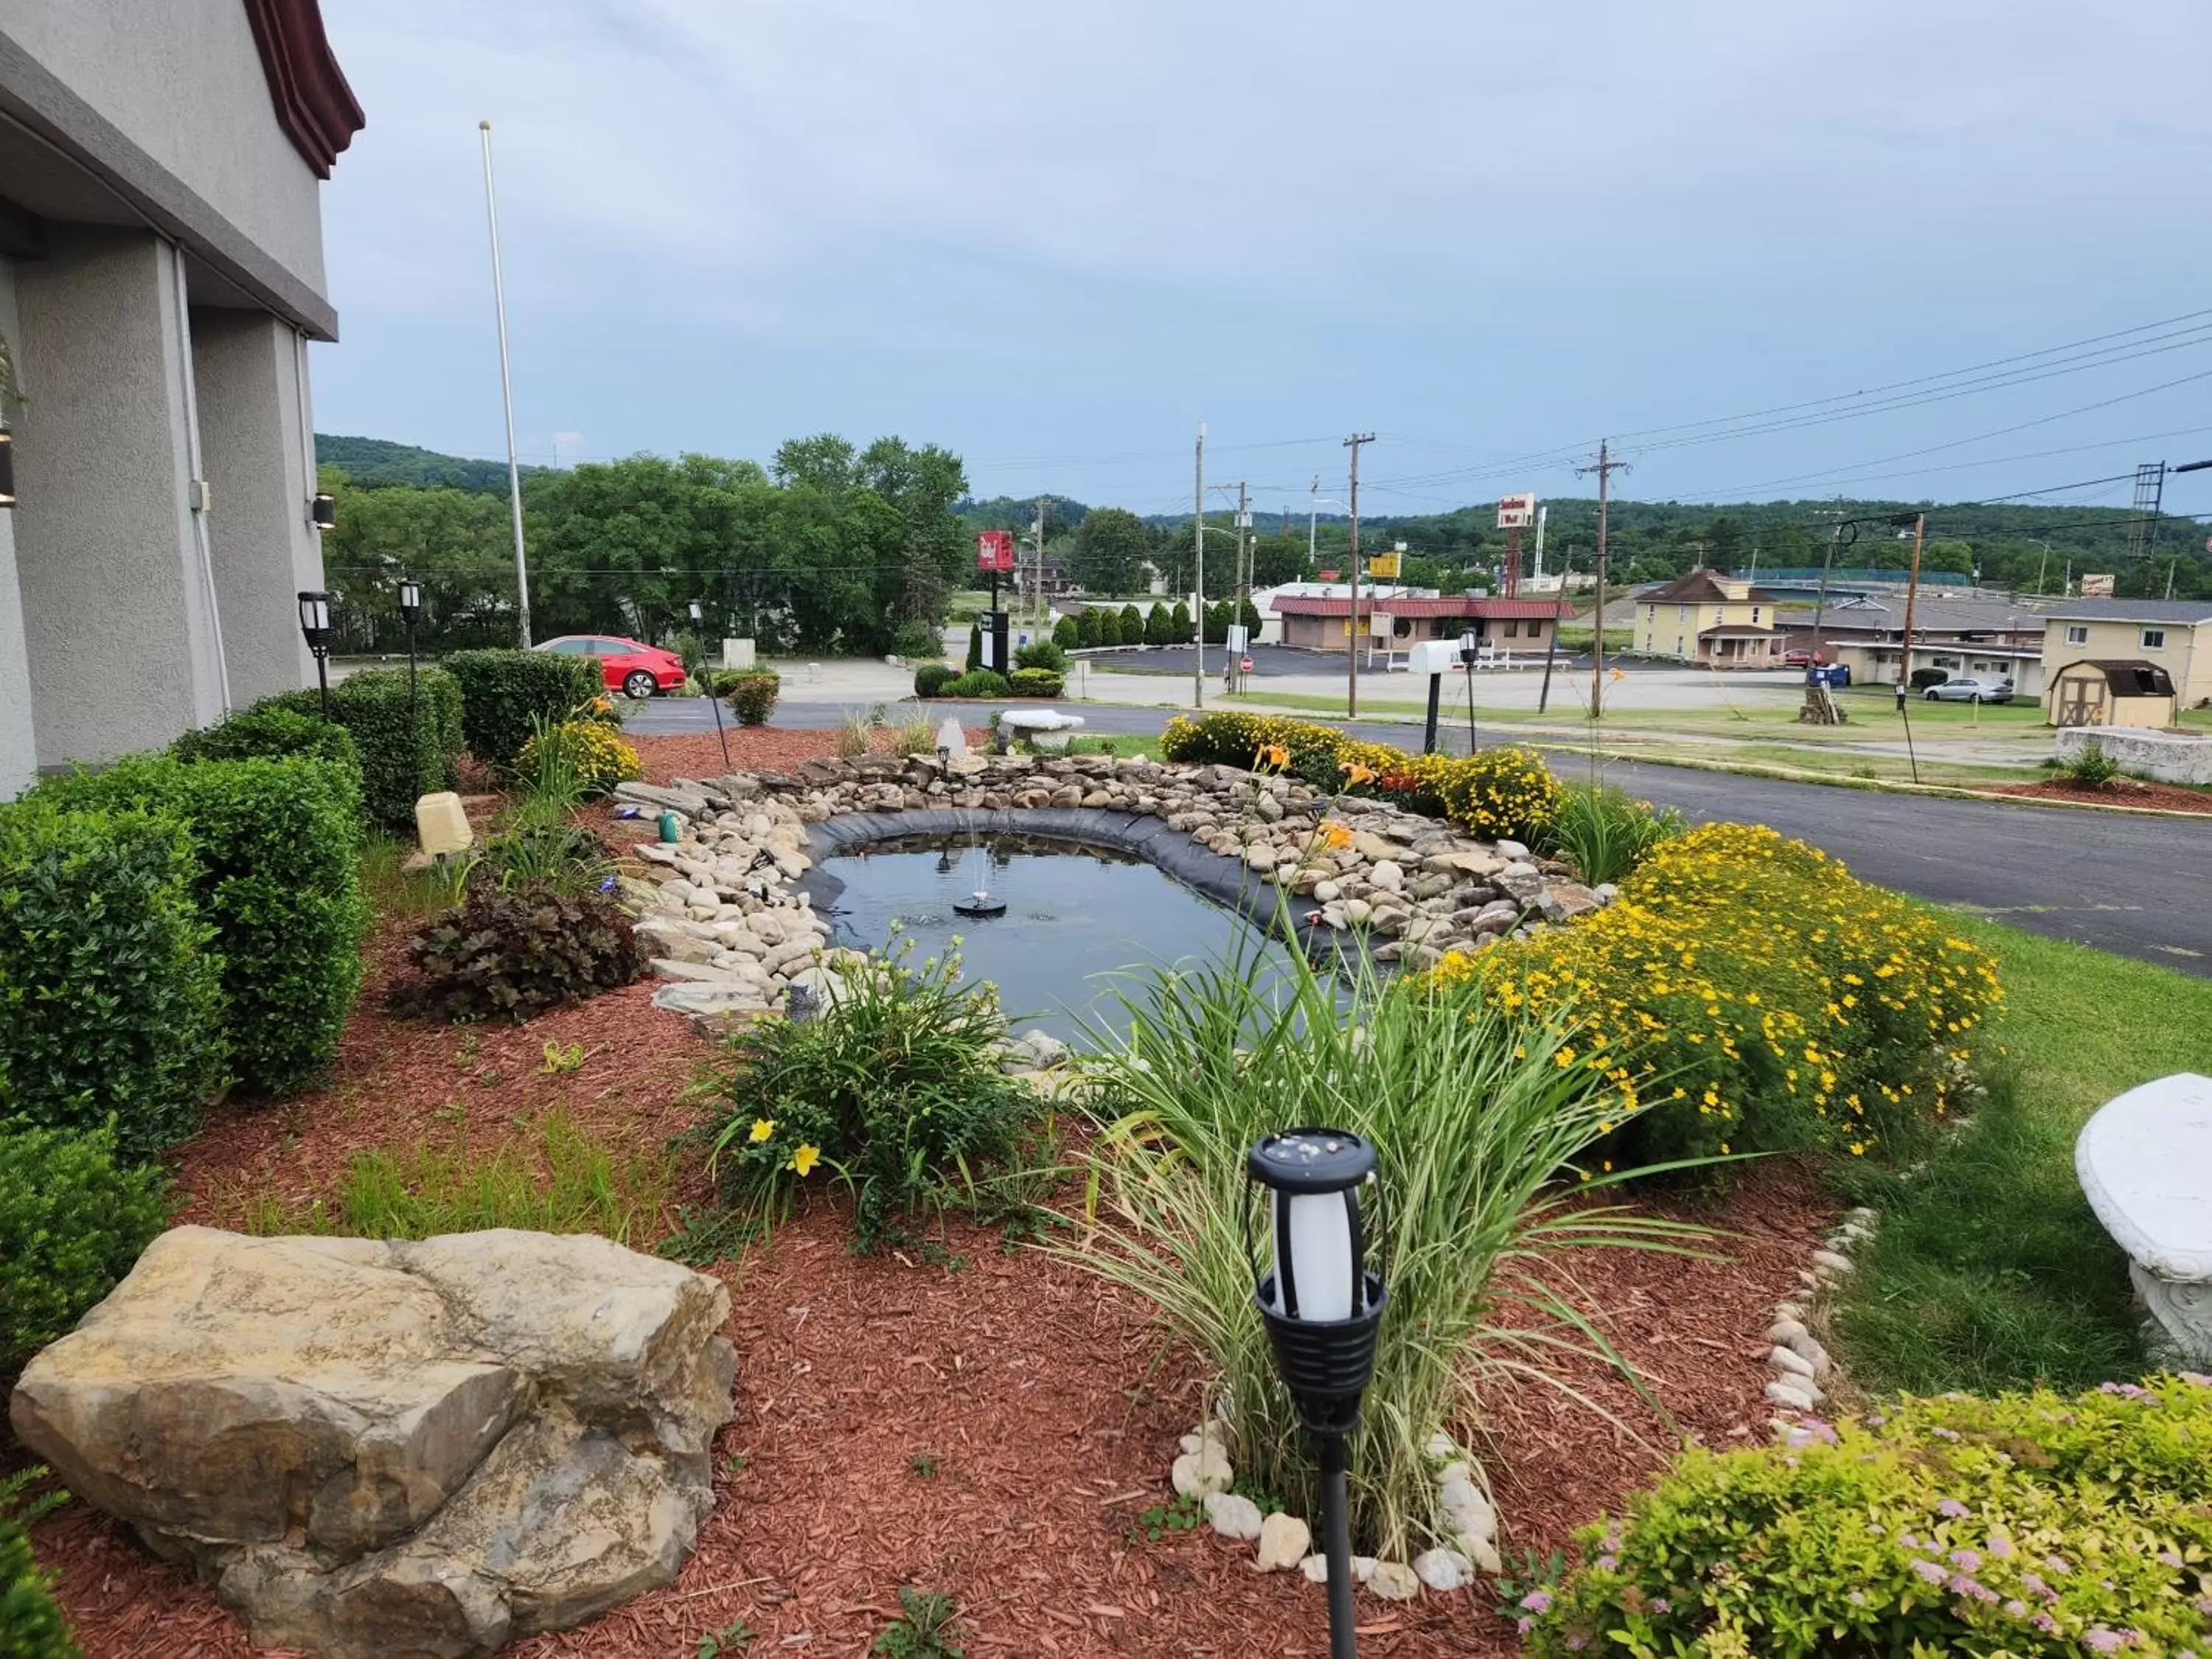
(2106, 693)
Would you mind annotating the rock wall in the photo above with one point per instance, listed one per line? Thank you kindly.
(2162, 756)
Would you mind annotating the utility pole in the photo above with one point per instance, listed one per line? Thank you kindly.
(1904, 656)
(1242, 588)
(1552, 645)
(1198, 574)
(506, 394)
(1352, 623)
(1313, 518)
(1820, 605)
(1606, 467)
(1037, 598)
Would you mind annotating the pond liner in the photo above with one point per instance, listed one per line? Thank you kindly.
(1228, 882)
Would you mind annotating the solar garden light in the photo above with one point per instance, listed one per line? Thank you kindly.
(1467, 652)
(315, 626)
(1321, 1300)
(707, 678)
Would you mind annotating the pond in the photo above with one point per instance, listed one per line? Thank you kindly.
(1076, 917)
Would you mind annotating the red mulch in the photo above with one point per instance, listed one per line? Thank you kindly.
(2121, 791)
(1033, 1387)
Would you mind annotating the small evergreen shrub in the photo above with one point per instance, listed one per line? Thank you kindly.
(273, 844)
(978, 683)
(591, 748)
(267, 731)
(1086, 627)
(409, 746)
(752, 695)
(974, 659)
(508, 953)
(1182, 622)
(501, 691)
(917, 638)
(2091, 768)
(72, 1221)
(931, 677)
(111, 997)
(1110, 628)
(1067, 634)
(896, 1089)
(1041, 654)
(2034, 1526)
(1036, 682)
(1159, 627)
(1923, 679)
(1129, 626)
(31, 1624)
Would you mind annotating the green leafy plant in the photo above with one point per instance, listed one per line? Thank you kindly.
(895, 1087)
(1132, 628)
(922, 1466)
(733, 1638)
(561, 1058)
(1477, 1117)
(561, 858)
(978, 683)
(2091, 768)
(111, 998)
(916, 735)
(506, 694)
(1067, 634)
(508, 953)
(31, 1624)
(1178, 1514)
(273, 843)
(752, 695)
(72, 1221)
(1159, 627)
(917, 638)
(589, 751)
(2030, 1524)
(1923, 679)
(1036, 682)
(931, 677)
(1041, 654)
(408, 740)
(268, 731)
(548, 775)
(1606, 832)
(554, 1179)
(927, 1627)
(1089, 628)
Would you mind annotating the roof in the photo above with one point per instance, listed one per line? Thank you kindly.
(1464, 604)
(312, 103)
(2127, 678)
(1704, 585)
(1929, 616)
(2193, 613)
(1737, 631)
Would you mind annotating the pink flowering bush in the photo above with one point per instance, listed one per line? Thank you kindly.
(2028, 1525)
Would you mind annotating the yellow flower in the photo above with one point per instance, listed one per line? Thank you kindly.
(1356, 773)
(805, 1158)
(762, 1128)
(1335, 836)
(1271, 754)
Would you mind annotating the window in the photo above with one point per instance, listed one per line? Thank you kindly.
(1651, 613)
(1755, 616)
(1681, 613)
(1512, 630)
(1719, 615)
(567, 648)
(2154, 639)
(2077, 635)
(1677, 646)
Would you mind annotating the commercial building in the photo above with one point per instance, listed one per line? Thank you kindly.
(2122, 638)
(1990, 639)
(160, 273)
(1391, 619)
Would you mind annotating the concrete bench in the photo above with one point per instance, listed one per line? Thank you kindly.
(1046, 729)
(2145, 1162)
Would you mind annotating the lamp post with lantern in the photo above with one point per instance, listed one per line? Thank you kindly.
(315, 628)
(411, 612)
(1321, 1296)
(707, 677)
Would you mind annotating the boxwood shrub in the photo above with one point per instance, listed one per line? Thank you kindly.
(273, 843)
(111, 997)
(2028, 1525)
(505, 693)
(752, 695)
(1036, 682)
(977, 683)
(409, 746)
(265, 730)
(31, 1624)
(931, 677)
(72, 1220)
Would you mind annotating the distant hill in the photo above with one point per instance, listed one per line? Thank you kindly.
(372, 462)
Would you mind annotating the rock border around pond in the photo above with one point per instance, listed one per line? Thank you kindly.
(734, 924)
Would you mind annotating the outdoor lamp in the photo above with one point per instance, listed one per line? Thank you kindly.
(7, 467)
(1322, 1297)
(315, 626)
(322, 511)
(1467, 648)
(410, 602)
(697, 614)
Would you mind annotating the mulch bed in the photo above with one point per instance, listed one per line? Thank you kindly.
(1041, 1394)
(2121, 791)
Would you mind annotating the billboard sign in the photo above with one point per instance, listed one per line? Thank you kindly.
(995, 550)
(2096, 587)
(1516, 511)
(1384, 567)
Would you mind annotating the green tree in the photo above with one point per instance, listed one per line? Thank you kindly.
(1159, 627)
(1132, 628)
(1067, 634)
(1109, 625)
(1182, 626)
(974, 646)
(1086, 626)
(1109, 551)
(1278, 559)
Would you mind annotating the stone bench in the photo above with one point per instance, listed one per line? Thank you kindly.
(2145, 1163)
(1046, 729)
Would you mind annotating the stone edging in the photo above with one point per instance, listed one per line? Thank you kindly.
(1804, 1371)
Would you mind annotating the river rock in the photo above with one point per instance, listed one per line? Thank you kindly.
(1284, 1541)
(1394, 1581)
(374, 1449)
(1443, 1569)
(1232, 1514)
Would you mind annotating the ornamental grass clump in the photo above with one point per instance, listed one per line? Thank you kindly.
(1478, 1116)
(1753, 996)
(2014, 1528)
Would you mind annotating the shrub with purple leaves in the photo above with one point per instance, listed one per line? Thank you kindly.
(2028, 1525)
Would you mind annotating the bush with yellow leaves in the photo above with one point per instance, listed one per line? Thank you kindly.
(1750, 994)
(591, 748)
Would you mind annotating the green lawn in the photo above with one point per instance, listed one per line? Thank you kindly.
(1989, 1271)
(2198, 717)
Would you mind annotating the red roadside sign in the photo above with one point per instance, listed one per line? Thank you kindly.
(1245, 666)
(995, 550)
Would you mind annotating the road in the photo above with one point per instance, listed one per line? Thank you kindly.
(2120, 882)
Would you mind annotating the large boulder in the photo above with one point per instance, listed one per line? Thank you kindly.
(396, 1450)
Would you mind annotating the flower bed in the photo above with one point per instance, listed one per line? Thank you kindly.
(2027, 1524)
(1750, 994)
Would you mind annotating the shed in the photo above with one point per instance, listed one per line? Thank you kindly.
(2112, 693)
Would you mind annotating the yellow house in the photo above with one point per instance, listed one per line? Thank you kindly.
(1709, 618)
(2172, 635)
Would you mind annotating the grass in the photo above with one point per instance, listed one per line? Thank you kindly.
(556, 1180)
(1116, 744)
(393, 890)
(1989, 1271)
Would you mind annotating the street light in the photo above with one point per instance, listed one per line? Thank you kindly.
(707, 677)
(411, 610)
(1321, 1300)
(315, 626)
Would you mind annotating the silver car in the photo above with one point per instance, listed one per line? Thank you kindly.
(1970, 690)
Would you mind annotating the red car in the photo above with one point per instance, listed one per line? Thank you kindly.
(635, 669)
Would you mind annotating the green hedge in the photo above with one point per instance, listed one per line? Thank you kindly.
(274, 844)
(931, 677)
(110, 1001)
(752, 694)
(504, 692)
(72, 1222)
(2027, 1524)
(410, 745)
(268, 730)
(31, 1625)
(977, 683)
(1036, 682)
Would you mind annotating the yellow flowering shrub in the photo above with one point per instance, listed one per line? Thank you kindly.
(595, 750)
(1748, 994)
(1496, 793)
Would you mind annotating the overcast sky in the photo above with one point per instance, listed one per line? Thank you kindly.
(1054, 237)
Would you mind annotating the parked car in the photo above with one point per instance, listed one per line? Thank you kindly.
(1968, 689)
(635, 669)
(1803, 658)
